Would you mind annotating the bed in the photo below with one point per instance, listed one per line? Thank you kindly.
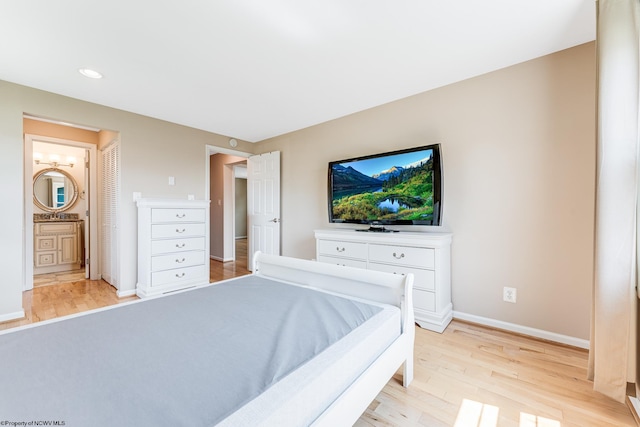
(326, 339)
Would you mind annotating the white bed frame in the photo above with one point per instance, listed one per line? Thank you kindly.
(365, 284)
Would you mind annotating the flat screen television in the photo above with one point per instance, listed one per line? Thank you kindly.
(396, 188)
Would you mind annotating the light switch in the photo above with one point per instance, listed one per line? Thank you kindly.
(136, 195)
(191, 197)
(172, 180)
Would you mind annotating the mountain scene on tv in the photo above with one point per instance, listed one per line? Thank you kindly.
(397, 187)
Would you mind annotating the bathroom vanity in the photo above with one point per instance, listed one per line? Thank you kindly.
(57, 245)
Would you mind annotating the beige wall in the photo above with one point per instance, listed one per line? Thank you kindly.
(519, 170)
(36, 127)
(151, 150)
(518, 147)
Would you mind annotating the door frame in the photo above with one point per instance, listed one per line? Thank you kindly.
(229, 205)
(92, 197)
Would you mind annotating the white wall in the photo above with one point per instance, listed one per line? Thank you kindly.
(518, 147)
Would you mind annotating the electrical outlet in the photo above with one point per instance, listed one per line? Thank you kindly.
(509, 294)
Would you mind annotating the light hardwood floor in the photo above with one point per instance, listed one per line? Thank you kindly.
(227, 270)
(61, 299)
(57, 278)
(61, 294)
(468, 376)
(476, 376)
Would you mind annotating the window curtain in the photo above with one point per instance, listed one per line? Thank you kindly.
(613, 311)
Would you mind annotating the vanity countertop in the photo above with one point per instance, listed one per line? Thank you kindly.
(57, 217)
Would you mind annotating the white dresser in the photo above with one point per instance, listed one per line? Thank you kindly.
(172, 245)
(426, 255)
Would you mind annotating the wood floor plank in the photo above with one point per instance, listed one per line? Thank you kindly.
(506, 379)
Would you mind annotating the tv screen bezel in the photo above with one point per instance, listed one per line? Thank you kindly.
(437, 188)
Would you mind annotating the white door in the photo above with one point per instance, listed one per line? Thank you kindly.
(109, 213)
(263, 204)
(87, 219)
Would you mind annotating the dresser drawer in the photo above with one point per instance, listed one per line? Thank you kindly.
(177, 245)
(177, 215)
(343, 249)
(402, 255)
(343, 261)
(177, 260)
(423, 279)
(162, 231)
(56, 227)
(424, 300)
(175, 277)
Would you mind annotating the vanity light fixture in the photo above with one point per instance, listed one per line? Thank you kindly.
(54, 160)
(88, 72)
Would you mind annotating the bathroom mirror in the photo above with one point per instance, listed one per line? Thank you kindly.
(54, 190)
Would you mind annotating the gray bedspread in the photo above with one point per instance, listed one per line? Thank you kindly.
(189, 359)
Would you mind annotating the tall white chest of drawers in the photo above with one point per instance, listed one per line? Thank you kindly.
(426, 255)
(172, 245)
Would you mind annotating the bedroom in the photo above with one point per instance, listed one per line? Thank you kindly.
(532, 122)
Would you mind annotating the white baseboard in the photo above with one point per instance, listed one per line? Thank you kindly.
(217, 258)
(122, 294)
(525, 330)
(12, 316)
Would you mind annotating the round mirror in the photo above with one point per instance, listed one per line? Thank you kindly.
(54, 190)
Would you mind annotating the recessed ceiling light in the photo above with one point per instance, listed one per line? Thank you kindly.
(88, 72)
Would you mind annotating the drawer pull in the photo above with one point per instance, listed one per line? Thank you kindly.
(184, 229)
(181, 215)
(339, 250)
(180, 276)
(180, 245)
(180, 261)
(398, 256)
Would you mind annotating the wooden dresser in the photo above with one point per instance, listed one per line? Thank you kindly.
(172, 245)
(426, 255)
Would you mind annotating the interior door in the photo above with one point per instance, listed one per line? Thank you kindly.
(109, 214)
(263, 204)
(87, 226)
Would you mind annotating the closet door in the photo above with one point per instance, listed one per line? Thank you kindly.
(110, 157)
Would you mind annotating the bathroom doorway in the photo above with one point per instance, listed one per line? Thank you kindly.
(60, 194)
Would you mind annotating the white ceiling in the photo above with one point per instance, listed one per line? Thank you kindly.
(254, 69)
